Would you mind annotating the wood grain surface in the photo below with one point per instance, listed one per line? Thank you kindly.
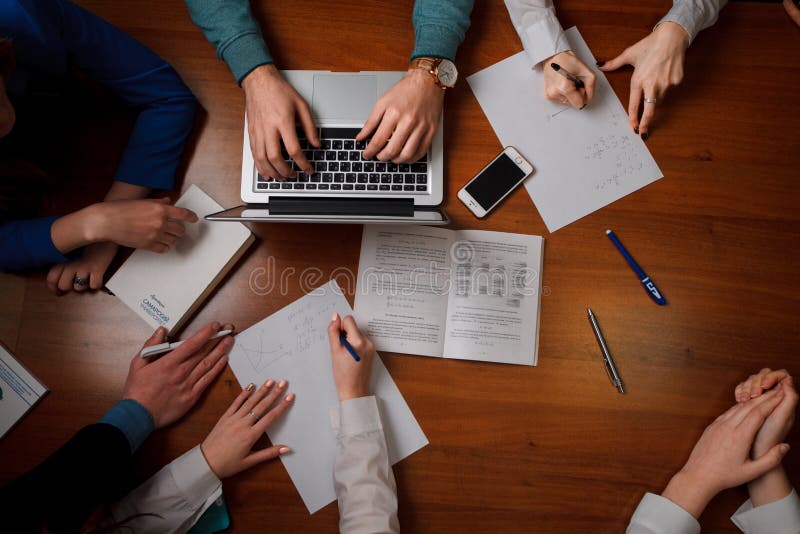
(552, 448)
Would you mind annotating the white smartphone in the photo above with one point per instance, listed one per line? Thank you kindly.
(495, 181)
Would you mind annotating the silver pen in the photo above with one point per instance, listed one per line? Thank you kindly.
(608, 361)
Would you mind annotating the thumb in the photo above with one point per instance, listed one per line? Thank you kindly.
(613, 64)
(158, 337)
(334, 329)
(768, 461)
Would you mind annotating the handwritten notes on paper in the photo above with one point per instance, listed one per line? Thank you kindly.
(583, 159)
(293, 344)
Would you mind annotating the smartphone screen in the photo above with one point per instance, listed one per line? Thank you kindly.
(495, 181)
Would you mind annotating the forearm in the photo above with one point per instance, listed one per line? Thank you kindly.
(688, 494)
(771, 487)
(126, 191)
(363, 478)
(440, 27)
(538, 28)
(234, 33)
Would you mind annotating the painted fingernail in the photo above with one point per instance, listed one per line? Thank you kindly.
(645, 136)
(334, 317)
(583, 106)
(289, 397)
(284, 450)
(269, 383)
(636, 130)
(600, 63)
(250, 387)
(282, 384)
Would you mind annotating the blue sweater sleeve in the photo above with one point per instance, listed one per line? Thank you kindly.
(143, 80)
(440, 27)
(27, 243)
(132, 419)
(230, 27)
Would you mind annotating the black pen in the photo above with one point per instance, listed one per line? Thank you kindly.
(568, 75)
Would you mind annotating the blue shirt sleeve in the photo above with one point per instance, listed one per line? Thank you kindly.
(141, 79)
(27, 243)
(440, 27)
(132, 419)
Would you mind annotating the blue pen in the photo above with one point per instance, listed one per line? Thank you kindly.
(349, 347)
(648, 284)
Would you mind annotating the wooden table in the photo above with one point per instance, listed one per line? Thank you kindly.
(552, 448)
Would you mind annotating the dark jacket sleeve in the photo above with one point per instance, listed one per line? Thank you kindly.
(91, 469)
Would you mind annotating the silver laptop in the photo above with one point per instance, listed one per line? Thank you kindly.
(345, 188)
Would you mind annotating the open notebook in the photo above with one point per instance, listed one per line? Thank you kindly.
(465, 294)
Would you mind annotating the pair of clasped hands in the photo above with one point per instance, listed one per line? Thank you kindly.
(169, 386)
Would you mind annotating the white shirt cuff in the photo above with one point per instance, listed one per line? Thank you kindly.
(778, 517)
(659, 514)
(194, 478)
(682, 15)
(543, 39)
(356, 416)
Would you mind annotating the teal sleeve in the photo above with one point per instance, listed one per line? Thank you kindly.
(439, 27)
(230, 27)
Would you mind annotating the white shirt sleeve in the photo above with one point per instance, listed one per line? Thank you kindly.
(172, 500)
(779, 517)
(694, 15)
(538, 28)
(658, 515)
(365, 486)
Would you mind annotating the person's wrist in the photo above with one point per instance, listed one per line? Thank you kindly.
(258, 75)
(689, 492)
(673, 32)
(210, 461)
(93, 223)
(352, 393)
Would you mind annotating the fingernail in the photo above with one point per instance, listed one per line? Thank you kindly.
(282, 384)
(250, 387)
(645, 136)
(227, 341)
(334, 317)
(269, 383)
(583, 106)
(600, 63)
(784, 448)
(284, 450)
(215, 325)
(289, 397)
(636, 130)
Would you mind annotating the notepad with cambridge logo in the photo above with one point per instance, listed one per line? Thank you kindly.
(166, 289)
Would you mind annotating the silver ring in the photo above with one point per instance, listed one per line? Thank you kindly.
(650, 100)
(254, 415)
(78, 281)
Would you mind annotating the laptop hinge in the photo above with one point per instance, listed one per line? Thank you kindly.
(396, 207)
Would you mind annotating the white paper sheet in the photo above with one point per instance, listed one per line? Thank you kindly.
(583, 159)
(293, 344)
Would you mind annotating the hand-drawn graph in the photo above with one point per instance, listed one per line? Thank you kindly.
(261, 355)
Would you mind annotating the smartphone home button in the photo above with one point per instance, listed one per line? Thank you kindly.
(518, 160)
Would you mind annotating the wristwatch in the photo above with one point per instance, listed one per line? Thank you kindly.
(444, 72)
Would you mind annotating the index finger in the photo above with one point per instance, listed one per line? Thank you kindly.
(748, 407)
(773, 377)
(193, 344)
(759, 413)
(351, 331)
(181, 214)
(292, 144)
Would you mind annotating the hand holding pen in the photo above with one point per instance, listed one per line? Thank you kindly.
(567, 80)
(351, 357)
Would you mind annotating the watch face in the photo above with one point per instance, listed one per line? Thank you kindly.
(448, 74)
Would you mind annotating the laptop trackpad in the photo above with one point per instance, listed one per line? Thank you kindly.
(347, 97)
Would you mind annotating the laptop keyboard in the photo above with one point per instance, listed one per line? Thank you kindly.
(340, 168)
